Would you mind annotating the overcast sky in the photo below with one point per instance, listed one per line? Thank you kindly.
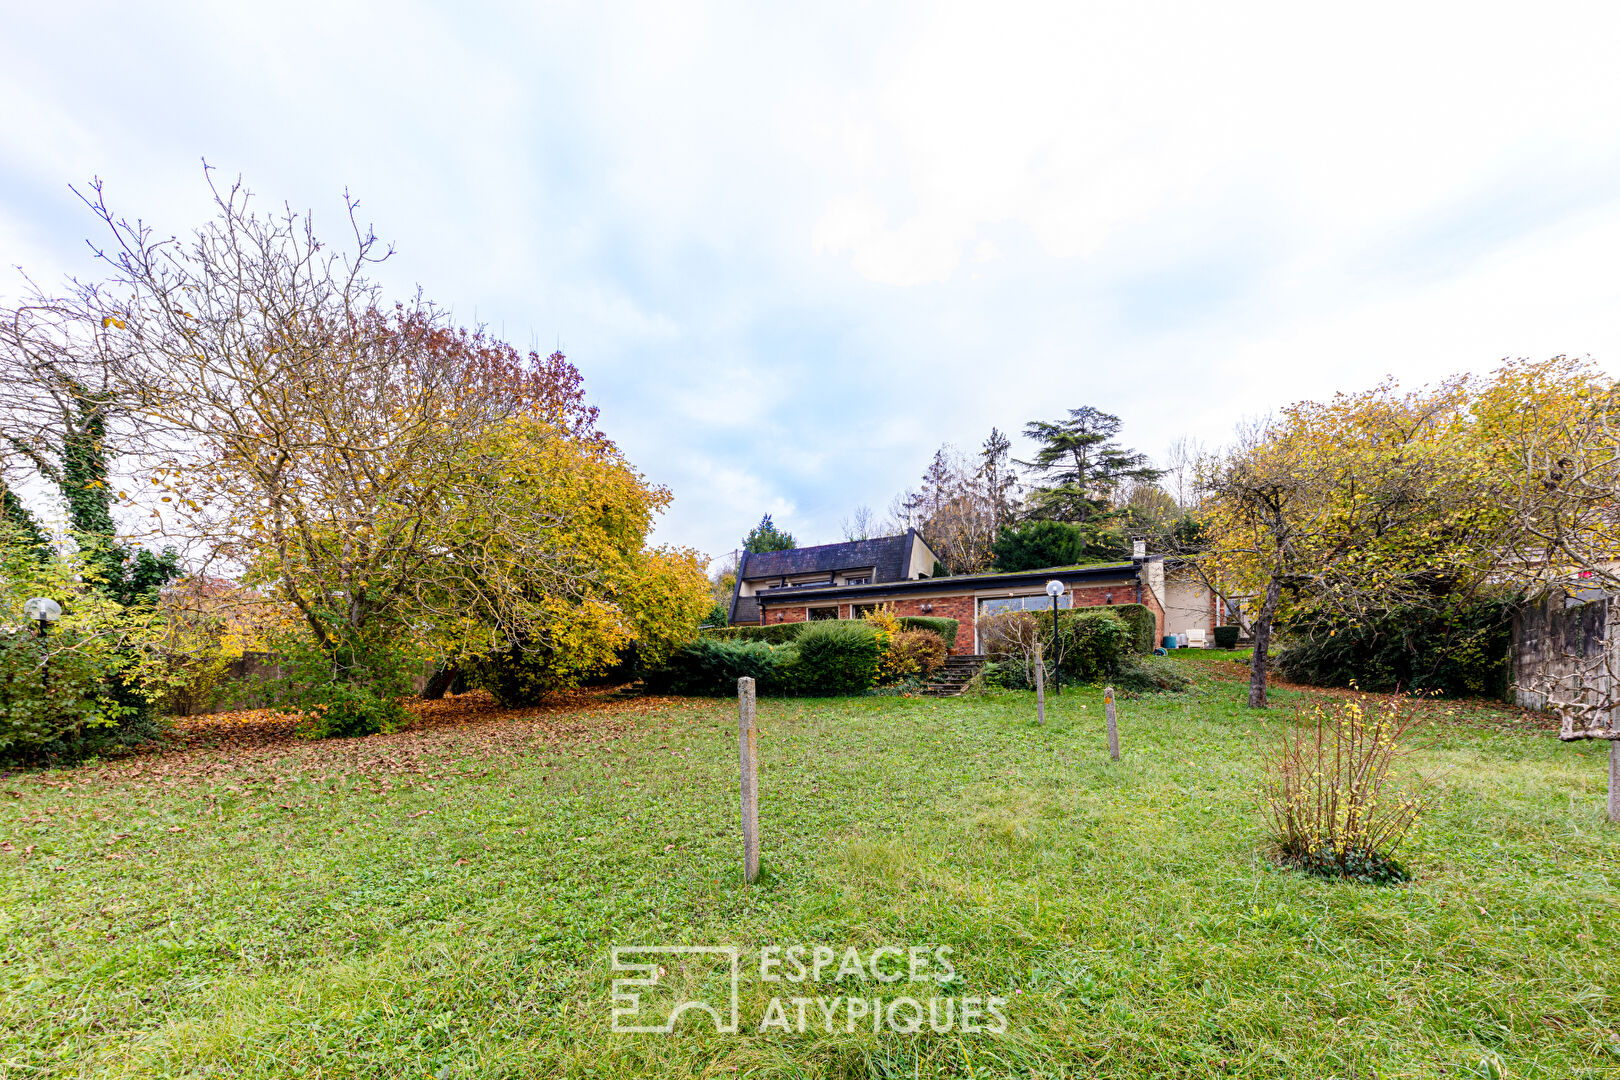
(794, 248)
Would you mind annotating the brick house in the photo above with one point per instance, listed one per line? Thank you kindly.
(963, 598)
(881, 560)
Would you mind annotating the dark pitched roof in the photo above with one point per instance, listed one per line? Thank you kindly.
(887, 555)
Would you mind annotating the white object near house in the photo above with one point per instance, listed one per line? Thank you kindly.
(1054, 588)
(1195, 638)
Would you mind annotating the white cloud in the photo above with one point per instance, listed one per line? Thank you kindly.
(794, 249)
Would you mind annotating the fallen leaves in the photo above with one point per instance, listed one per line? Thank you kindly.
(255, 752)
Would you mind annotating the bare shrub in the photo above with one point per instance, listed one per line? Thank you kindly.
(1334, 810)
(1013, 638)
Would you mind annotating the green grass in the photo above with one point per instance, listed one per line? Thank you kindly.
(311, 923)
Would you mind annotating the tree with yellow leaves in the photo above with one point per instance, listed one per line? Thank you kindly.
(1341, 506)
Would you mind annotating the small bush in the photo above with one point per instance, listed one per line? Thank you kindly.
(775, 634)
(837, 656)
(1226, 637)
(1143, 623)
(1334, 811)
(1004, 676)
(1149, 675)
(911, 654)
(906, 687)
(709, 668)
(1093, 641)
(945, 628)
(337, 710)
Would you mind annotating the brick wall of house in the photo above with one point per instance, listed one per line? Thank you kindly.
(964, 608)
(959, 608)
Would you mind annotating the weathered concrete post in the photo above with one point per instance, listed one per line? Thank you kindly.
(1113, 724)
(1040, 691)
(748, 744)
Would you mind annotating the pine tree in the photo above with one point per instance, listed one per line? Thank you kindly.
(767, 537)
(1083, 467)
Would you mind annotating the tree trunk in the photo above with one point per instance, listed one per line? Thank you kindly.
(1262, 645)
(441, 681)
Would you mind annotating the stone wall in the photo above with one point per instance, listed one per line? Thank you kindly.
(1563, 638)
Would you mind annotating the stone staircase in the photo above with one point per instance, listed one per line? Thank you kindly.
(953, 678)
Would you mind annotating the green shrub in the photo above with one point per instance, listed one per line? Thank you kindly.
(711, 668)
(911, 654)
(945, 628)
(339, 710)
(53, 692)
(775, 634)
(837, 656)
(1226, 637)
(353, 689)
(1143, 623)
(1456, 650)
(1149, 675)
(1093, 641)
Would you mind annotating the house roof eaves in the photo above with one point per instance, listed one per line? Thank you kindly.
(964, 583)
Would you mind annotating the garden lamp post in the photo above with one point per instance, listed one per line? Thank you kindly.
(1054, 589)
(43, 610)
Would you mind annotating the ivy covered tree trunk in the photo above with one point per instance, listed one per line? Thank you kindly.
(1262, 645)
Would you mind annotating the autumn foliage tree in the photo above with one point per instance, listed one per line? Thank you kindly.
(1344, 507)
(403, 485)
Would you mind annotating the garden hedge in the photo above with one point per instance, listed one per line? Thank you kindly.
(710, 668)
(1143, 623)
(781, 633)
(1457, 649)
(837, 656)
(826, 657)
(775, 634)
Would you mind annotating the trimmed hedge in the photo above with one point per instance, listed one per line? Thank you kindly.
(709, 668)
(775, 634)
(781, 633)
(1093, 642)
(945, 628)
(1143, 623)
(828, 657)
(837, 656)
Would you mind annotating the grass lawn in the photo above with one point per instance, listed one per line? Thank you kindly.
(442, 902)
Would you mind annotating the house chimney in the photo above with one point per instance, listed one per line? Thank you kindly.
(1139, 548)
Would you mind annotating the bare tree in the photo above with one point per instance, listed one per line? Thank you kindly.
(1182, 470)
(860, 524)
(342, 451)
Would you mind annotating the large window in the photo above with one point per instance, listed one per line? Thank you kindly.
(998, 605)
(823, 613)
